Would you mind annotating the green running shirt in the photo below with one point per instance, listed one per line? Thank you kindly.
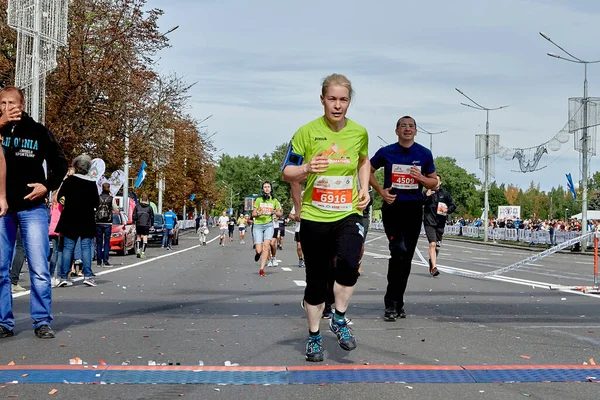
(332, 195)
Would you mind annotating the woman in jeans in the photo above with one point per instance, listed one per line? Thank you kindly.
(79, 198)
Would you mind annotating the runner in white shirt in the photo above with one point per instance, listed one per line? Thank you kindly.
(223, 223)
(296, 218)
(273, 260)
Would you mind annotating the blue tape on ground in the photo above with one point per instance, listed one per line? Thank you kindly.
(534, 375)
(311, 376)
(380, 376)
(51, 376)
(191, 377)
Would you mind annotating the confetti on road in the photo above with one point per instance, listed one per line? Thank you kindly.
(53, 391)
(526, 357)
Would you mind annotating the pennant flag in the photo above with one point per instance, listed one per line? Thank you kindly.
(192, 197)
(570, 186)
(141, 175)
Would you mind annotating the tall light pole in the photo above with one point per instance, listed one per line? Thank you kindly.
(126, 158)
(230, 196)
(126, 173)
(421, 129)
(486, 160)
(585, 138)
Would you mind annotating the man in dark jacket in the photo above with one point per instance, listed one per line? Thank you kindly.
(438, 205)
(143, 218)
(26, 145)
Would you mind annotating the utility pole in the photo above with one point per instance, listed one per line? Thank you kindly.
(421, 129)
(585, 145)
(486, 157)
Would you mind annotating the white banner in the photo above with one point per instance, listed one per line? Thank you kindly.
(509, 212)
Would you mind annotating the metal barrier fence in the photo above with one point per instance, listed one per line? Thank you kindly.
(187, 224)
(514, 235)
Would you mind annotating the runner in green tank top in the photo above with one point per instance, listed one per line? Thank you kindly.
(327, 153)
(264, 208)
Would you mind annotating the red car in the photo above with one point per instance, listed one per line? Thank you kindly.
(122, 238)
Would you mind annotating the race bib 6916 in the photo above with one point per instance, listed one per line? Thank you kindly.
(333, 193)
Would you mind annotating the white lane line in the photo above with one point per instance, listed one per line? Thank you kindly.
(535, 265)
(558, 327)
(372, 240)
(376, 255)
(300, 283)
(110, 271)
(579, 337)
(480, 258)
(524, 282)
(466, 251)
(581, 262)
(286, 269)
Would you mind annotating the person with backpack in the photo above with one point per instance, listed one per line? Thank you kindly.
(104, 215)
(143, 218)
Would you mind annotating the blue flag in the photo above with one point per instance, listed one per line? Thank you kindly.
(192, 197)
(141, 175)
(570, 186)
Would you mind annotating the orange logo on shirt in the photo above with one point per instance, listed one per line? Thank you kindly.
(336, 155)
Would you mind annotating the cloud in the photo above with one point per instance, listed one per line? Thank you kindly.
(259, 64)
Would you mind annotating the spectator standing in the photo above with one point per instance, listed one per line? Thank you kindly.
(107, 205)
(79, 198)
(24, 185)
(170, 222)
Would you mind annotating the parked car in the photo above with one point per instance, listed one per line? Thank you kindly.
(122, 238)
(156, 232)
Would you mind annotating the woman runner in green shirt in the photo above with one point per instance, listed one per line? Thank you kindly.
(264, 208)
(327, 154)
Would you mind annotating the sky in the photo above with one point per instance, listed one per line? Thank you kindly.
(258, 67)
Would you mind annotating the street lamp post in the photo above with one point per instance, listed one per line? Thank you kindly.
(230, 196)
(486, 205)
(585, 138)
(566, 213)
(126, 158)
(420, 128)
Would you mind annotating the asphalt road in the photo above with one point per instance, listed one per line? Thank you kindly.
(208, 304)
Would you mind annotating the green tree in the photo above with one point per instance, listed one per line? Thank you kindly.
(496, 198)
(460, 184)
(377, 199)
(242, 176)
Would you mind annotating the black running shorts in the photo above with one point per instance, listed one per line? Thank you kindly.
(434, 234)
(324, 242)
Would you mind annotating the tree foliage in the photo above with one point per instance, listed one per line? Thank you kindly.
(461, 185)
(243, 176)
(106, 88)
